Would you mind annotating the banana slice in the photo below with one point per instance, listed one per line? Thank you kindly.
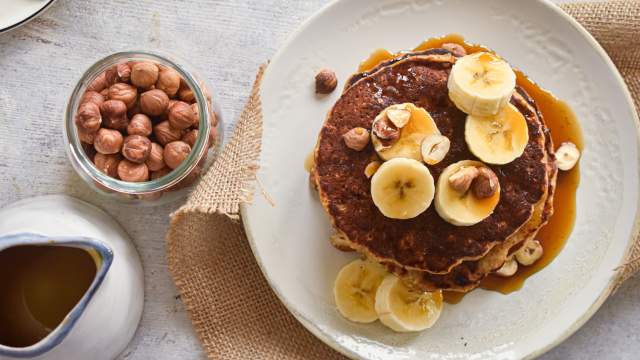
(355, 289)
(498, 139)
(464, 209)
(403, 309)
(412, 130)
(481, 84)
(402, 188)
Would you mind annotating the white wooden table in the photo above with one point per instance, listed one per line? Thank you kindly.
(227, 40)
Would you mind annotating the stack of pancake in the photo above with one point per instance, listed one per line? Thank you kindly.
(427, 252)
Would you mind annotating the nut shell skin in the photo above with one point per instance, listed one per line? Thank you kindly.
(99, 83)
(108, 141)
(114, 114)
(181, 116)
(124, 72)
(132, 172)
(154, 102)
(92, 97)
(175, 152)
(136, 148)
(485, 184)
(356, 138)
(155, 161)
(124, 92)
(168, 81)
(88, 117)
(144, 74)
(107, 164)
(185, 93)
(140, 124)
(165, 133)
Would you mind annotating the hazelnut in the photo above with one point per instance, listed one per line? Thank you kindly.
(434, 148)
(485, 184)
(155, 161)
(99, 83)
(154, 102)
(87, 137)
(105, 93)
(461, 180)
(107, 163)
(124, 72)
(168, 81)
(108, 141)
(114, 114)
(124, 92)
(398, 115)
(371, 168)
(136, 148)
(181, 116)
(144, 74)
(509, 268)
(175, 152)
(160, 173)
(212, 116)
(111, 75)
(165, 133)
(356, 138)
(530, 253)
(92, 97)
(140, 124)
(567, 156)
(455, 49)
(89, 150)
(185, 93)
(190, 137)
(88, 117)
(133, 172)
(326, 81)
(385, 130)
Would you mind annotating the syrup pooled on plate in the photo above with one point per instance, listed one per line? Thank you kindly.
(39, 286)
(564, 126)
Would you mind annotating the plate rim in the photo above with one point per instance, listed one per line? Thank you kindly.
(28, 18)
(598, 301)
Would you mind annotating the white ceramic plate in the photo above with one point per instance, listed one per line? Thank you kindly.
(290, 240)
(14, 13)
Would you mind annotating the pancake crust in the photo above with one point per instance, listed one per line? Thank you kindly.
(425, 243)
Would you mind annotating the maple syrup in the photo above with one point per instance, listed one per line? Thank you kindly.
(564, 126)
(39, 286)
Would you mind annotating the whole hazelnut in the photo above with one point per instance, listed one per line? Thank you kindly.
(136, 148)
(190, 137)
(111, 75)
(165, 133)
(108, 141)
(114, 114)
(185, 93)
(92, 97)
(144, 74)
(132, 172)
(155, 161)
(87, 137)
(107, 163)
(175, 152)
(140, 124)
(160, 173)
(124, 72)
(99, 83)
(456, 49)
(125, 92)
(485, 184)
(356, 138)
(88, 117)
(105, 93)
(326, 81)
(168, 81)
(154, 102)
(89, 150)
(181, 116)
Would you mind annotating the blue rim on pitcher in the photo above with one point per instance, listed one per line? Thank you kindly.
(56, 336)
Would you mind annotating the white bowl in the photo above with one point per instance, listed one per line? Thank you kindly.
(290, 239)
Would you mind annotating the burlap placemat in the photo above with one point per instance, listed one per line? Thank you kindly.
(233, 310)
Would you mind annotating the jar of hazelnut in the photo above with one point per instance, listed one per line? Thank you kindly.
(142, 127)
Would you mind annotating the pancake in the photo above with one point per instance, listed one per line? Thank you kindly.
(425, 244)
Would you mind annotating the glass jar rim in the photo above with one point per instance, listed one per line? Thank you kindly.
(74, 145)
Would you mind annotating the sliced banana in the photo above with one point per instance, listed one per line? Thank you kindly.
(481, 84)
(412, 131)
(405, 310)
(462, 209)
(355, 289)
(402, 188)
(498, 139)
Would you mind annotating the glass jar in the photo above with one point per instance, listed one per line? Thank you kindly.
(175, 183)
